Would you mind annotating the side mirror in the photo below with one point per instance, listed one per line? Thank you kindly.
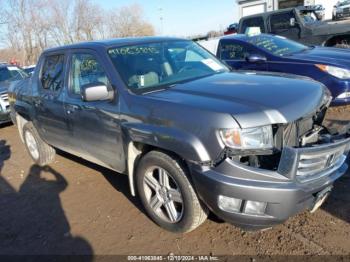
(256, 58)
(292, 22)
(96, 92)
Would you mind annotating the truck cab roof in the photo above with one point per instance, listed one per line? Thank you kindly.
(267, 14)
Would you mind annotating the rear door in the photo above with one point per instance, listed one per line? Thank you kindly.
(49, 101)
(235, 53)
(95, 126)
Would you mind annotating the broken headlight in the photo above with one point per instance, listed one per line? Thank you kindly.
(248, 138)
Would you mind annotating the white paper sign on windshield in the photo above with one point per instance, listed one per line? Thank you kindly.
(212, 64)
(12, 68)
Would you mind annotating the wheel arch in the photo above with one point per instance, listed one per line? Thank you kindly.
(21, 120)
(333, 40)
(176, 143)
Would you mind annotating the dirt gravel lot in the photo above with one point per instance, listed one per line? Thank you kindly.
(75, 207)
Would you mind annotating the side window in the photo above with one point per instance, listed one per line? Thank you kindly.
(280, 22)
(233, 51)
(253, 22)
(85, 69)
(52, 76)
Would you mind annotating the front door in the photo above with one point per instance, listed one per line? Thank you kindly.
(95, 125)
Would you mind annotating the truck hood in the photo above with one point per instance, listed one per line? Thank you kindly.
(326, 55)
(253, 99)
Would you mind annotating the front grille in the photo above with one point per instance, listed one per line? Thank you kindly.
(314, 166)
(4, 102)
(4, 97)
(310, 163)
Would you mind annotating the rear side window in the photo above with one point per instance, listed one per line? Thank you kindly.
(281, 22)
(52, 76)
(253, 22)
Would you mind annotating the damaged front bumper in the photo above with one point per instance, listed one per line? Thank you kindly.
(303, 179)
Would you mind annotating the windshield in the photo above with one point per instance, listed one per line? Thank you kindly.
(150, 66)
(277, 45)
(12, 73)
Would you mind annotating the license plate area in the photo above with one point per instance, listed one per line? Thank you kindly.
(320, 198)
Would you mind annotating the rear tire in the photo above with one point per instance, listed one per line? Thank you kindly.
(167, 194)
(41, 153)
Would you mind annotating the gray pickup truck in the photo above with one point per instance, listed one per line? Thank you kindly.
(191, 136)
(299, 24)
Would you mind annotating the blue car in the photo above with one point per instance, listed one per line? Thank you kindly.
(263, 52)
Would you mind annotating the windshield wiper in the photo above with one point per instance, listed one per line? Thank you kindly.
(158, 89)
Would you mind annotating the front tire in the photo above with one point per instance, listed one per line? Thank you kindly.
(41, 153)
(167, 194)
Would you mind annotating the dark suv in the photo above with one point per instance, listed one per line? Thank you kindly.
(191, 135)
(300, 24)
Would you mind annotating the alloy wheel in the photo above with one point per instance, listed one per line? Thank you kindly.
(32, 145)
(163, 194)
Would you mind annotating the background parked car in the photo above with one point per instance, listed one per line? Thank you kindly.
(29, 69)
(341, 10)
(319, 11)
(231, 29)
(9, 74)
(277, 54)
(299, 24)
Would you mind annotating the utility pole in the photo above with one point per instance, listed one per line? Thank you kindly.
(161, 18)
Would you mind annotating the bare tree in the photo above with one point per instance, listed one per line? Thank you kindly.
(19, 31)
(128, 21)
(2, 14)
(62, 26)
(88, 19)
(30, 26)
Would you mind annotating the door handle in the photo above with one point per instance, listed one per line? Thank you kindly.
(72, 108)
(37, 103)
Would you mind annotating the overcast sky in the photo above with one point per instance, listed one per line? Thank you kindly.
(184, 17)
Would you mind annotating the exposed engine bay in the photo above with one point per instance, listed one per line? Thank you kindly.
(309, 131)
